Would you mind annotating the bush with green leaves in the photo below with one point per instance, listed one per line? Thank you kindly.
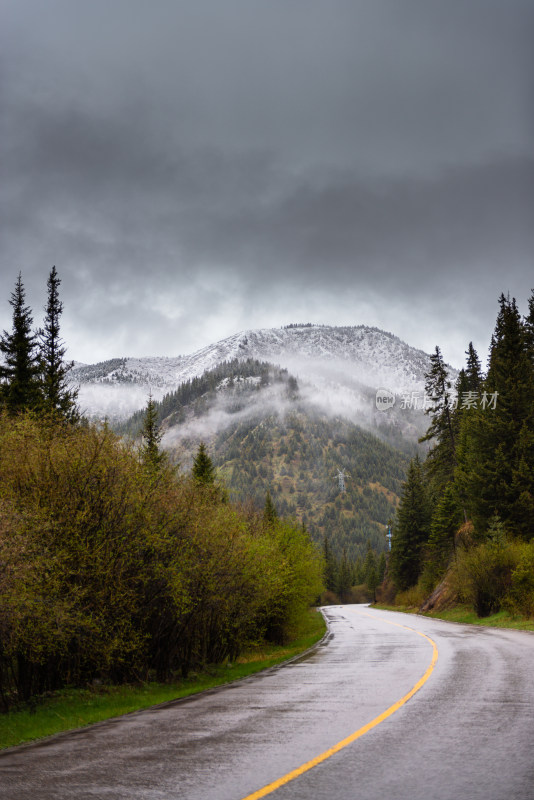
(520, 597)
(110, 569)
(483, 574)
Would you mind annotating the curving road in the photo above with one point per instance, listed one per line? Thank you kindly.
(457, 728)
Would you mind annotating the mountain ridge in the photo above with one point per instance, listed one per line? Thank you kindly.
(345, 364)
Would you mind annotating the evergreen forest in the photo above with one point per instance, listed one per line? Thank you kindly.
(464, 529)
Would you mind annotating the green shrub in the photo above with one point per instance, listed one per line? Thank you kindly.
(483, 574)
(413, 597)
(112, 570)
(360, 594)
(520, 597)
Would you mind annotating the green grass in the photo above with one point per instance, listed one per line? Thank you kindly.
(75, 708)
(465, 614)
(503, 619)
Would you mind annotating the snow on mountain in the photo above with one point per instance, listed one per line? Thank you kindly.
(341, 367)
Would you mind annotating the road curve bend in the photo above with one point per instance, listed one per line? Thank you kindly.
(388, 706)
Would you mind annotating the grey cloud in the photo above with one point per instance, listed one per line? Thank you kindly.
(182, 161)
(108, 192)
(388, 83)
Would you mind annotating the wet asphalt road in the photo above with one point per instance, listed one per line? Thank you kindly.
(467, 733)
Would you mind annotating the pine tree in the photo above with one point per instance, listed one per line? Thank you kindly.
(411, 530)
(330, 567)
(529, 327)
(468, 388)
(382, 566)
(473, 369)
(344, 578)
(446, 520)
(203, 470)
(57, 396)
(150, 451)
(359, 572)
(462, 388)
(371, 572)
(496, 452)
(510, 424)
(522, 488)
(20, 388)
(441, 459)
(270, 514)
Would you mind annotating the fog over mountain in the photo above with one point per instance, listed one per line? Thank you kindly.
(339, 370)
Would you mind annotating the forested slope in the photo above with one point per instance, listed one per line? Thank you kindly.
(264, 434)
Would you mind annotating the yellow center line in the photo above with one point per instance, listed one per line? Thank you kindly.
(290, 776)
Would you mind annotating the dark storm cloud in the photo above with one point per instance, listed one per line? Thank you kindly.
(108, 194)
(215, 160)
(396, 230)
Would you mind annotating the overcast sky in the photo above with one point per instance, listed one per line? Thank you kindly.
(196, 168)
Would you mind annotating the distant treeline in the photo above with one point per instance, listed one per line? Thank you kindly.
(347, 581)
(301, 325)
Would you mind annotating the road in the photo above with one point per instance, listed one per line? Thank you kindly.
(451, 707)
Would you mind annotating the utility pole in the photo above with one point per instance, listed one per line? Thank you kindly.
(388, 536)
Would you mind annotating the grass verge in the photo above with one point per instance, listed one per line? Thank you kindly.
(75, 708)
(465, 614)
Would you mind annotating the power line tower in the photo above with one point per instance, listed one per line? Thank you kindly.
(341, 475)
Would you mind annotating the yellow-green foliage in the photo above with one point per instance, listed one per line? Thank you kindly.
(520, 597)
(413, 597)
(109, 569)
(496, 574)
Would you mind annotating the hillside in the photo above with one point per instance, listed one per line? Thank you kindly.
(264, 434)
(297, 457)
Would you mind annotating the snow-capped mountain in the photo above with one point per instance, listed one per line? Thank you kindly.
(342, 368)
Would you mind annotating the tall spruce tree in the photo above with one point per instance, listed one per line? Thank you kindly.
(330, 567)
(522, 488)
(446, 520)
(344, 578)
(462, 387)
(473, 369)
(371, 572)
(496, 452)
(270, 514)
(468, 388)
(441, 459)
(58, 396)
(203, 470)
(381, 568)
(20, 387)
(529, 327)
(412, 528)
(151, 454)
